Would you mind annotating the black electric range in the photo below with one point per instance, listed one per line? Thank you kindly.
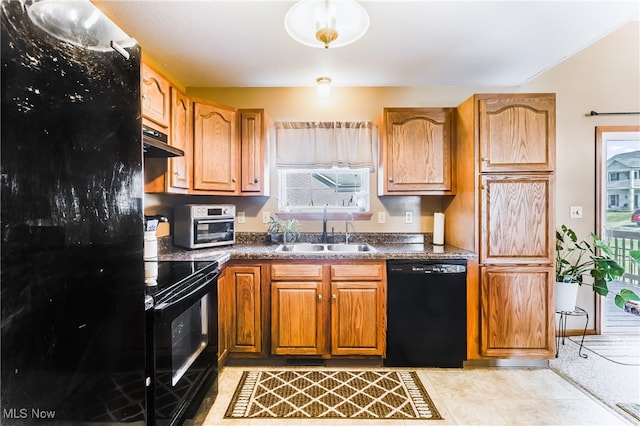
(182, 338)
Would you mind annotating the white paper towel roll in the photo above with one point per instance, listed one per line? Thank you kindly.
(438, 229)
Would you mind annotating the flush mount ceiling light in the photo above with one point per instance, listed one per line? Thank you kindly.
(320, 23)
(80, 23)
(324, 87)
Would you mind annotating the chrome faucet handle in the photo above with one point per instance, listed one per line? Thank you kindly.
(348, 217)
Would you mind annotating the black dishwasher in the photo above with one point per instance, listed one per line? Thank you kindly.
(426, 313)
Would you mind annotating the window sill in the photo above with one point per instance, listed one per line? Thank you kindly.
(318, 215)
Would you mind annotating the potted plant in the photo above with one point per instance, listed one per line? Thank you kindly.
(291, 233)
(575, 259)
(274, 229)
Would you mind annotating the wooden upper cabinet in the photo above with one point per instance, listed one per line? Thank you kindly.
(254, 164)
(517, 312)
(155, 98)
(517, 132)
(517, 219)
(416, 151)
(180, 167)
(215, 148)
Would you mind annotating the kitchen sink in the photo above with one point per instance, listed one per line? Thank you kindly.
(350, 247)
(326, 248)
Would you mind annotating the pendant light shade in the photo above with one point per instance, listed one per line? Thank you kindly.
(324, 87)
(324, 23)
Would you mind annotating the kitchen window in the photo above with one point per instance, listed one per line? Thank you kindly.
(309, 190)
(324, 164)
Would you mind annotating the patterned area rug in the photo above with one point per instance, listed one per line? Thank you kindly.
(345, 394)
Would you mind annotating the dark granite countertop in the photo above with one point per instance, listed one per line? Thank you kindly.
(253, 246)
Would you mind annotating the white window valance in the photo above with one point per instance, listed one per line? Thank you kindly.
(301, 144)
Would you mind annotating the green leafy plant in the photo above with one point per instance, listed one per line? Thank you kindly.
(589, 256)
(274, 226)
(291, 230)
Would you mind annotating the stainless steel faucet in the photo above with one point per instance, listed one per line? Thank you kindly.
(349, 217)
(324, 224)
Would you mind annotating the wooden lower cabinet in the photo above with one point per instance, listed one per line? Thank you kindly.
(225, 302)
(298, 317)
(246, 308)
(328, 309)
(515, 317)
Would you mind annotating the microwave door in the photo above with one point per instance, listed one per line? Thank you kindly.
(209, 231)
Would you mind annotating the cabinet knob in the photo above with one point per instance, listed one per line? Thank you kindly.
(390, 179)
(334, 297)
(233, 180)
(178, 174)
(256, 180)
(319, 297)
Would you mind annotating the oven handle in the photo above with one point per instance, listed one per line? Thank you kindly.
(191, 297)
(221, 220)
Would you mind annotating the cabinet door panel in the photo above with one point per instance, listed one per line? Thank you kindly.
(516, 219)
(215, 148)
(517, 133)
(246, 326)
(155, 97)
(297, 318)
(516, 317)
(357, 320)
(179, 167)
(417, 150)
(253, 152)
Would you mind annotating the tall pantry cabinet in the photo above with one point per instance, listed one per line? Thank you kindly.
(504, 211)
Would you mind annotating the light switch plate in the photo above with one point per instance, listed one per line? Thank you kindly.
(576, 212)
(381, 217)
(265, 217)
(240, 217)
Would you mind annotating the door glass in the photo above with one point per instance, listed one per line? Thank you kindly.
(189, 337)
(619, 214)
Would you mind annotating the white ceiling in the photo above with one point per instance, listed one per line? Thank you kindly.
(237, 43)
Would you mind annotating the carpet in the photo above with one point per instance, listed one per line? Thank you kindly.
(619, 348)
(348, 394)
(632, 409)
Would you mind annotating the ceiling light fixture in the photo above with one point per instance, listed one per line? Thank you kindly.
(324, 87)
(320, 23)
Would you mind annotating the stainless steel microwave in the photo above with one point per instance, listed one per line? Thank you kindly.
(204, 225)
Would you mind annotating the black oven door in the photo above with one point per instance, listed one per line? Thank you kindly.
(184, 350)
(213, 231)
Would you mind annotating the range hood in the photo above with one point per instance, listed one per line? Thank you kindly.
(155, 144)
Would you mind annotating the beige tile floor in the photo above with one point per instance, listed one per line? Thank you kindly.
(469, 396)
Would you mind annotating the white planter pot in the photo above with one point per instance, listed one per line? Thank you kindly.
(566, 296)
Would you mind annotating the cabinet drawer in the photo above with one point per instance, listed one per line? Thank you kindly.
(368, 271)
(296, 271)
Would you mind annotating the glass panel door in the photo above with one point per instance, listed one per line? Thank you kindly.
(618, 216)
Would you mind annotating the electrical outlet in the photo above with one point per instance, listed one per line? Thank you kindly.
(381, 217)
(408, 217)
(576, 212)
(265, 217)
(240, 217)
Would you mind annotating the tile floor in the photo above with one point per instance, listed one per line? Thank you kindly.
(469, 396)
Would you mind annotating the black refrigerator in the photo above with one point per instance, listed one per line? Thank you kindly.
(72, 277)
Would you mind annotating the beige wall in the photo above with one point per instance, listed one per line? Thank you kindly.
(605, 77)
